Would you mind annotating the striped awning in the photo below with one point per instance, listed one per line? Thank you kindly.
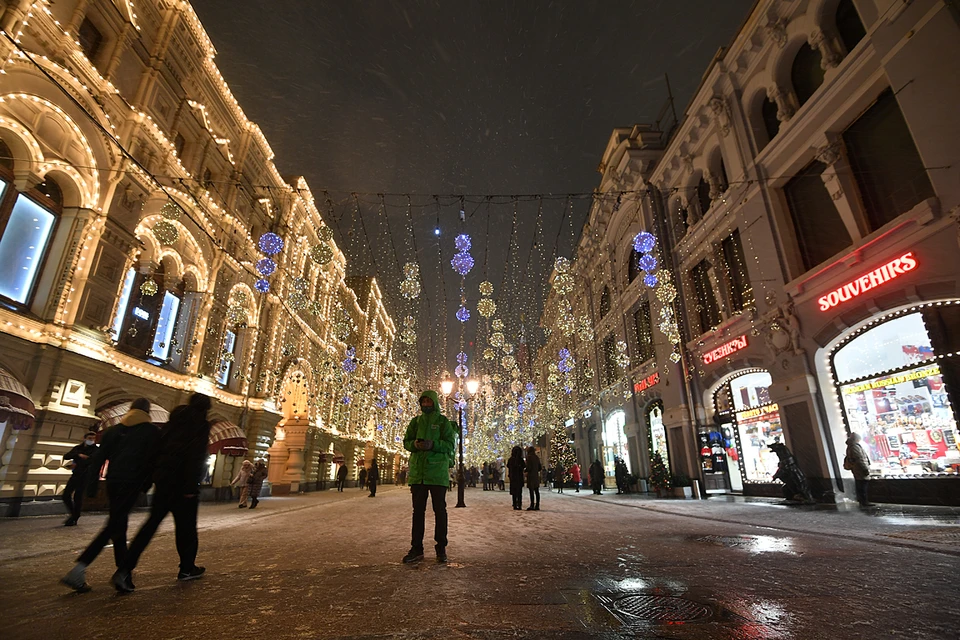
(113, 415)
(226, 438)
(16, 405)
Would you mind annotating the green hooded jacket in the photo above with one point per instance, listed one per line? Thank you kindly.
(431, 467)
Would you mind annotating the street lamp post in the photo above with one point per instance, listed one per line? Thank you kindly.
(472, 386)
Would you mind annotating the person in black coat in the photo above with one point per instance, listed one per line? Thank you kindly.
(534, 469)
(341, 476)
(373, 478)
(129, 448)
(515, 469)
(362, 477)
(596, 477)
(77, 484)
(180, 466)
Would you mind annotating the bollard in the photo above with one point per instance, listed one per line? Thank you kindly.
(696, 490)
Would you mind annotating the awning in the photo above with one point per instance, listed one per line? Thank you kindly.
(226, 438)
(16, 405)
(113, 415)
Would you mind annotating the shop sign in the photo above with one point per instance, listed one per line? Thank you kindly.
(880, 383)
(650, 381)
(773, 407)
(894, 268)
(724, 350)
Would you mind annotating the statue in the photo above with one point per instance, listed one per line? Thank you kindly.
(795, 486)
(792, 325)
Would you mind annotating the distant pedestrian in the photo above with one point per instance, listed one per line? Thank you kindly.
(362, 477)
(485, 471)
(558, 476)
(255, 482)
(180, 466)
(373, 477)
(857, 462)
(534, 468)
(341, 476)
(80, 457)
(575, 474)
(241, 479)
(515, 468)
(498, 476)
(620, 475)
(596, 477)
(129, 447)
(430, 438)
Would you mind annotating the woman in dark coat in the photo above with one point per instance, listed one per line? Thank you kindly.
(533, 478)
(596, 477)
(515, 468)
(255, 483)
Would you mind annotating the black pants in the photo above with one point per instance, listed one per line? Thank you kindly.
(122, 496)
(534, 493)
(861, 486)
(184, 512)
(73, 494)
(373, 487)
(438, 496)
(340, 483)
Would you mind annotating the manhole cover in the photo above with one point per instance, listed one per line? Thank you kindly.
(661, 608)
(940, 535)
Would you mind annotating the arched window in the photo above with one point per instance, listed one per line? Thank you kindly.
(633, 269)
(27, 223)
(6, 156)
(703, 196)
(605, 302)
(768, 113)
(849, 26)
(806, 73)
(150, 324)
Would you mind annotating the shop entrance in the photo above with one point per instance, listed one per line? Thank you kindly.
(657, 434)
(736, 449)
(614, 445)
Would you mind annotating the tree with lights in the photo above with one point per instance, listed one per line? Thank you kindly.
(659, 476)
(561, 454)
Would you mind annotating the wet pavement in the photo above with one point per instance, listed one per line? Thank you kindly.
(327, 565)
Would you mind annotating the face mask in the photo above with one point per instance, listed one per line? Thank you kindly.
(429, 409)
(88, 442)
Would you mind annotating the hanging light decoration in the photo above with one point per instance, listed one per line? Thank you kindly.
(325, 233)
(270, 244)
(166, 232)
(266, 267)
(486, 288)
(262, 285)
(462, 263)
(149, 287)
(486, 307)
(321, 253)
(644, 242)
(463, 314)
(171, 211)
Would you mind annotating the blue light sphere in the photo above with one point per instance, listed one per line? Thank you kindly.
(648, 263)
(651, 280)
(462, 242)
(262, 285)
(644, 242)
(463, 314)
(266, 267)
(462, 358)
(270, 244)
(462, 263)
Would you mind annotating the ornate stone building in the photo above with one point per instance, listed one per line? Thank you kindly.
(133, 195)
(805, 212)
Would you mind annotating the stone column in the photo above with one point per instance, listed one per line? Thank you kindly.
(840, 183)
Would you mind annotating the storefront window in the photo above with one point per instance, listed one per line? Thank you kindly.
(22, 246)
(893, 395)
(615, 442)
(124, 301)
(165, 326)
(658, 434)
(223, 373)
(749, 423)
(758, 429)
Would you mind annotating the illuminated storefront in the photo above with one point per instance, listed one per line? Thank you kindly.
(890, 379)
(615, 442)
(658, 433)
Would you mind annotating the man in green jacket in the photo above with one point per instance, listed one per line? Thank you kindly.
(431, 438)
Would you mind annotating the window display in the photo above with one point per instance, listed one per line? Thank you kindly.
(758, 429)
(615, 442)
(750, 423)
(658, 434)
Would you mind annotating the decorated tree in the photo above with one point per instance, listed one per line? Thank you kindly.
(561, 453)
(659, 476)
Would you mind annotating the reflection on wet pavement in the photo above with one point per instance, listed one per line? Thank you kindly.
(753, 544)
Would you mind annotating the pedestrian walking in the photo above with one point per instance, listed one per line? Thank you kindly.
(575, 474)
(431, 439)
(534, 468)
(596, 477)
(498, 476)
(180, 467)
(362, 477)
(80, 457)
(857, 462)
(373, 477)
(559, 475)
(129, 447)
(341, 476)
(620, 475)
(515, 468)
(485, 472)
(241, 479)
(255, 483)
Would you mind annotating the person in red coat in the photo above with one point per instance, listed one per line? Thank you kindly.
(575, 472)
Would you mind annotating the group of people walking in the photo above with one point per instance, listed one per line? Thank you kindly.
(139, 454)
(521, 471)
(250, 478)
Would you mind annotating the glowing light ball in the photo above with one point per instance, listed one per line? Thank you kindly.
(270, 243)
(266, 266)
(644, 242)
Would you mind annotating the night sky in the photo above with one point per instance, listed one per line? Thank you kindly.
(458, 97)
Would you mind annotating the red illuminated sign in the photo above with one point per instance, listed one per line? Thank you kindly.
(894, 268)
(724, 350)
(646, 383)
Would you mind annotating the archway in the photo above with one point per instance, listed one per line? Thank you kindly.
(287, 470)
